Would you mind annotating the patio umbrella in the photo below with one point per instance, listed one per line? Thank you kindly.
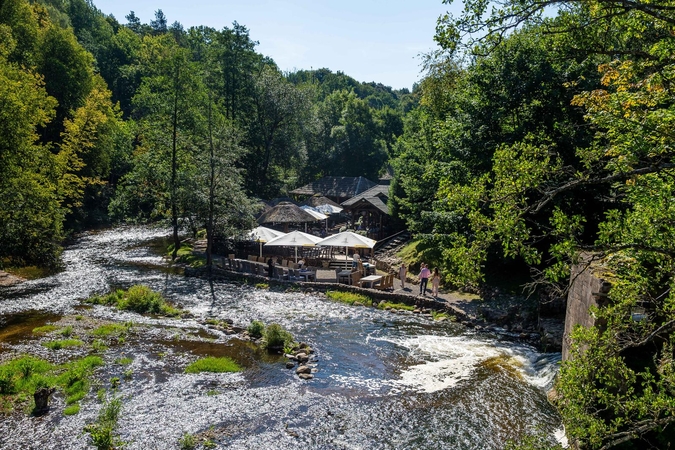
(347, 239)
(328, 209)
(315, 213)
(295, 239)
(286, 212)
(263, 234)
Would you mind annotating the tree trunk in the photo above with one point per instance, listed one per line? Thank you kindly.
(41, 397)
(174, 169)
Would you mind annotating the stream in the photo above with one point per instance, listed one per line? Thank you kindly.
(384, 380)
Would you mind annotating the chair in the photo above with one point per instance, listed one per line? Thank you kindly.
(356, 276)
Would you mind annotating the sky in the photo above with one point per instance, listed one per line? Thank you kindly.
(369, 40)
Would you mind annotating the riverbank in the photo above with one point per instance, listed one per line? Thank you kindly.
(7, 279)
(505, 316)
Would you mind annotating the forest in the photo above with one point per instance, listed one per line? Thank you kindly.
(540, 136)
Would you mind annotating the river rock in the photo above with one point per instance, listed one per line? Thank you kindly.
(417, 311)
(302, 357)
(306, 376)
(303, 369)
(290, 364)
(358, 304)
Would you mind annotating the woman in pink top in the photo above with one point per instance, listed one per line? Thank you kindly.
(424, 279)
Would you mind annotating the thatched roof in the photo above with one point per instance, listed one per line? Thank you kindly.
(338, 187)
(286, 212)
(318, 200)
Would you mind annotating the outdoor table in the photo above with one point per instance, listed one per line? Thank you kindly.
(371, 280)
(306, 274)
(345, 274)
(370, 268)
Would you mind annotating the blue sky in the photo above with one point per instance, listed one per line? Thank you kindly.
(370, 40)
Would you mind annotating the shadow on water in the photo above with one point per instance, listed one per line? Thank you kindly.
(16, 328)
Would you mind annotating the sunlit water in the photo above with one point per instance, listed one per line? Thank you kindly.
(384, 380)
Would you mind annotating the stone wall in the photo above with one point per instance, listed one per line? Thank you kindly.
(587, 289)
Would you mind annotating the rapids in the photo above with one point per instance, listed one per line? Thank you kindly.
(385, 380)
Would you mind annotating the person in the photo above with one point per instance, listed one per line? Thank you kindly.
(402, 272)
(424, 278)
(270, 267)
(356, 259)
(301, 263)
(435, 281)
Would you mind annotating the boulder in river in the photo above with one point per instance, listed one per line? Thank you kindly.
(303, 369)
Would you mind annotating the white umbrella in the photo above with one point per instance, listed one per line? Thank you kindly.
(264, 234)
(347, 239)
(295, 239)
(314, 212)
(328, 209)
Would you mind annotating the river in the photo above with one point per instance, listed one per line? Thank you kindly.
(384, 380)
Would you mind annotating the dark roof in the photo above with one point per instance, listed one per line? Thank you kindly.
(340, 187)
(376, 196)
(318, 200)
(286, 212)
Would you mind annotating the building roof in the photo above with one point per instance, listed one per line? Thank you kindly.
(376, 197)
(339, 187)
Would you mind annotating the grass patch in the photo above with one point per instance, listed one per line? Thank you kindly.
(187, 442)
(66, 331)
(442, 315)
(262, 286)
(45, 329)
(392, 305)
(417, 252)
(71, 410)
(124, 361)
(110, 329)
(276, 337)
(186, 256)
(211, 364)
(102, 431)
(348, 297)
(21, 377)
(139, 298)
(63, 343)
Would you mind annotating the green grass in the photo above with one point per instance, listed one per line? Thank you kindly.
(21, 377)
(63, 343)
(71, 410)
(392, 305)
(442, 315)
(262, 286)
(102, 431)
(45, 329)
(124, 361)
(110, 329)
(417, 252)
(211, 364)
(185, 255)
(139, 298)
(348, 297)
(66, 331)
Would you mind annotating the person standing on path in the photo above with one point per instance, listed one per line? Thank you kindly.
(424, 278)
(402, 272)
(270, 268)
(435, 281)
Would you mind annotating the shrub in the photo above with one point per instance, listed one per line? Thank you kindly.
(124, 361)
(212, 364)
(66, 331)
(98, 346)
(275, 337)
(256, 329)
(348, 297)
